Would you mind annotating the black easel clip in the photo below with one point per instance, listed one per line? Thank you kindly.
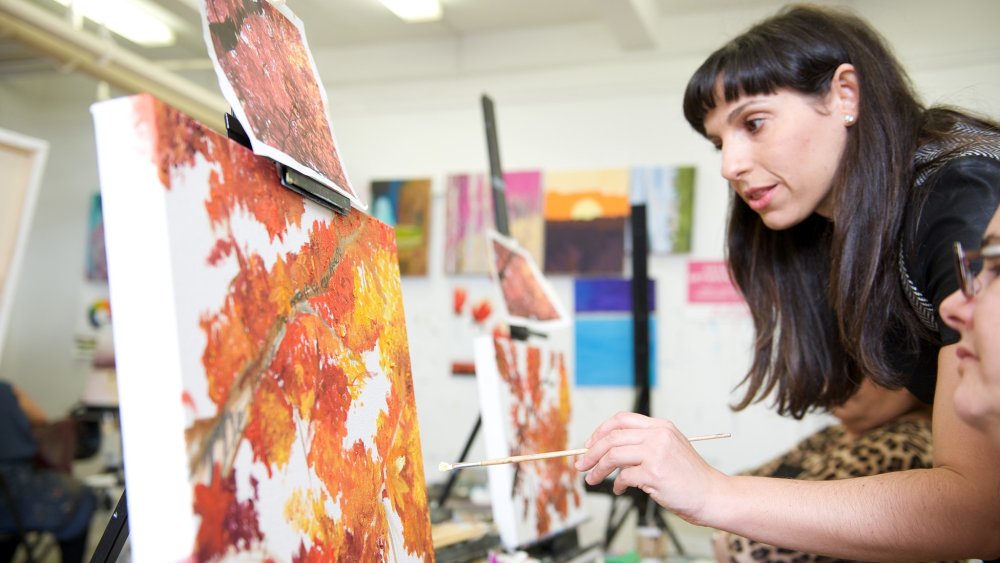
(291, 178)
(523, 333)
(311, 189)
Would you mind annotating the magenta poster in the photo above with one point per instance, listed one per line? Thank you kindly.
(709, 283)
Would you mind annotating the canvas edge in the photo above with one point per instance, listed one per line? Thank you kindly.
(146, 338)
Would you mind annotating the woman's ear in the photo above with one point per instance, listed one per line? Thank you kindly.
(845, 93)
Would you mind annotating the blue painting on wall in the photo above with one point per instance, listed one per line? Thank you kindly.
(603, 332)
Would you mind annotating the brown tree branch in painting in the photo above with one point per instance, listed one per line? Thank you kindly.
(216, 439)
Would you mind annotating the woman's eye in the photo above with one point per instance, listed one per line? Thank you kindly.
(992, 265)
(754, 125)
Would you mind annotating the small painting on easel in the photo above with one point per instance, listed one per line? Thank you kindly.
(524, 398)
(268, 76)
(527, 295)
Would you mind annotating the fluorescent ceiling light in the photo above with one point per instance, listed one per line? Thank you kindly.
(413, 11)
(128, 18)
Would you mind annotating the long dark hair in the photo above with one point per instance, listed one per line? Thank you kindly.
(824, 295)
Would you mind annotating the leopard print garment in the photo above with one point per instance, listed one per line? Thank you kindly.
(828, 455)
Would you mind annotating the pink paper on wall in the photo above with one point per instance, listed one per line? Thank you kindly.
(708, 282)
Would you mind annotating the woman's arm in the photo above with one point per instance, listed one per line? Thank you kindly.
(948, 512)
(31, 409)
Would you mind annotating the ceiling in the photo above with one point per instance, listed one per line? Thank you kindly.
(337, 24)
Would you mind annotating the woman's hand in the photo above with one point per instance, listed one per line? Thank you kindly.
(655, 457)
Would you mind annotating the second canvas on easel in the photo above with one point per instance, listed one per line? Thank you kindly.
(524, 397)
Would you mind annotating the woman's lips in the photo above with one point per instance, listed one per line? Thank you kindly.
(965, 354)
(759, 198)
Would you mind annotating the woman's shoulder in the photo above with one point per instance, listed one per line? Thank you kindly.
(965, 144)
(954, 203)
(964, 185)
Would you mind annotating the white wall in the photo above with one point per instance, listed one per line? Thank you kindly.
(566, 99)
(38, 354)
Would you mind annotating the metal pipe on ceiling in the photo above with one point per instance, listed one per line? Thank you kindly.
(107, 61)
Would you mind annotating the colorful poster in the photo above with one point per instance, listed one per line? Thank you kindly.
(709, 283)
(524, 397)
(604, 332)
(264, 375)
(668, 193)
(92, 339)
(585, 215)
(469, 213)
(406, 206)
(268, 76)
(527, 296)
(97, 261)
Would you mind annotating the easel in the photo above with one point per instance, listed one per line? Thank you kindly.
(645, 507)
(116, 532)
(498, 189)
(566, 544)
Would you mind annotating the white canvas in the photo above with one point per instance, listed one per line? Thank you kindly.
(264, 376)
(524, 397)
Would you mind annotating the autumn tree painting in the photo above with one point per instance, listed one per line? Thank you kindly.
(526, 293)
(265, 66)
(301, 430)
(526, 408)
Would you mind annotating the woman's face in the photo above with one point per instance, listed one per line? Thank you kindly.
(977, 397)
(781, 151)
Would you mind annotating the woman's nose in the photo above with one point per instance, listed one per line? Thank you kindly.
(735, 161)
(956, 310)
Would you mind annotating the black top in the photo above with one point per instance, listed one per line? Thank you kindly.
(961, 198)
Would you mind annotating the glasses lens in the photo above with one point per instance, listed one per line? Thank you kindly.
(968, 264)
(960, 269)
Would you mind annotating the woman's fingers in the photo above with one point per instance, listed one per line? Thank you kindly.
(625, 428)
(619, 421)
(630, 452)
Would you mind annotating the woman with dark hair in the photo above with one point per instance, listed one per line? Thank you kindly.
(848, 195)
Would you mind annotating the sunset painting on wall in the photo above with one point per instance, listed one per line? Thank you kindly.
(585, 215)
(264, 373)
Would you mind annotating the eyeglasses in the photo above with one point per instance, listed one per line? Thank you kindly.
(968, 263)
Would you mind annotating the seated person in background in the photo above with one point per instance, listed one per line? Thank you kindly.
(880, 430)
(45, 499)
(974, 311)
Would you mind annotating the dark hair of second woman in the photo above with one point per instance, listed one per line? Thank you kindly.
(813, 352)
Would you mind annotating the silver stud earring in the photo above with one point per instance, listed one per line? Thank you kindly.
(849, 119)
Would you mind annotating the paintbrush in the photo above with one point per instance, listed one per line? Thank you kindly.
(443, 466)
